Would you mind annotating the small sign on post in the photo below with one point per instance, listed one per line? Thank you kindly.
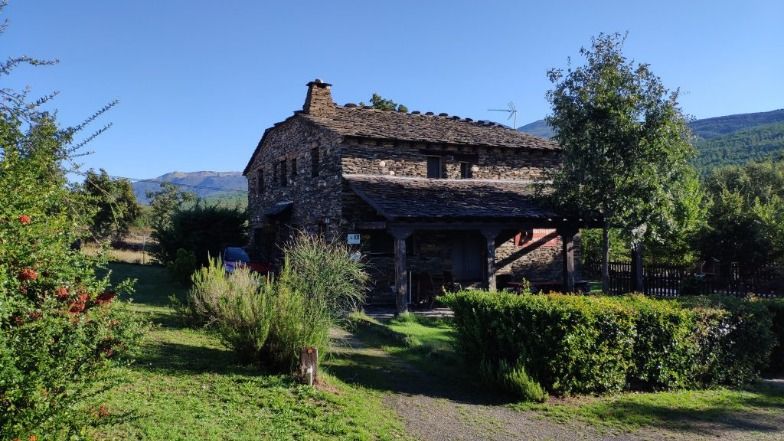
(308, 365)
(353, 239)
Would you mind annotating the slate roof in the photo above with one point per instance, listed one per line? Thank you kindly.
(351, 120)
(401, 198)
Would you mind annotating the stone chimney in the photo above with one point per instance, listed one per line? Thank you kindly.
(319, 100)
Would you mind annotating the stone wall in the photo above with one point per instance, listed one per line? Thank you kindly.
(316, 200)
(409, 159)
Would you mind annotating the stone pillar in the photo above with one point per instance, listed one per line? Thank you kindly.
(567, 255)
(490, 235)
(401, 272)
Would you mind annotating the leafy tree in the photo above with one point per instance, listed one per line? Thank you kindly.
(115, 202)
(61, 327)
(165, 202)
(381, 103)
(625, 143)
(746, 219)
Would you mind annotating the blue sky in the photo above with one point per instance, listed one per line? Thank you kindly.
(199, 81)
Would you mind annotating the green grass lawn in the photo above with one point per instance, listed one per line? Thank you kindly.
(417, 339)
(186, 385)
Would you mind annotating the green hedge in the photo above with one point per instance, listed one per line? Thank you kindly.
(597, 344)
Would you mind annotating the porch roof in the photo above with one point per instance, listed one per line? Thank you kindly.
(404, 198)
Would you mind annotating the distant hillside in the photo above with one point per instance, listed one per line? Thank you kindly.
(538, 128)
(205, 184)
(759, 142)
(731, 139)
(724, 125)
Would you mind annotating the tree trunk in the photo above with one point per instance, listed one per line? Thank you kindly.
(638, 284)
(605, 259)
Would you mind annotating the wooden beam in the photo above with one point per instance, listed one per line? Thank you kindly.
(490, 234)
(401, 270)
(567, 255)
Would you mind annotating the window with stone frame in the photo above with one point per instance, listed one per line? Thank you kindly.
(293, 167)
(274, 177)
(466, 171)
(282, 171)
(435, 167)
(314, 162)
(259, 181)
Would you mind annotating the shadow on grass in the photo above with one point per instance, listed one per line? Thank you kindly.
(180, 358)
(378, 360)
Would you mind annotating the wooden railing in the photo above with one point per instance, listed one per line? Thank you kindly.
(673, 280)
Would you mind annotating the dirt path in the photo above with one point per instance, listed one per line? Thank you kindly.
(435, 411)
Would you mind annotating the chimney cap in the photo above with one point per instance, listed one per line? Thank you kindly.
(319, 83)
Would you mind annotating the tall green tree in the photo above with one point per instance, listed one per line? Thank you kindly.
(626, 145)
(115, 204)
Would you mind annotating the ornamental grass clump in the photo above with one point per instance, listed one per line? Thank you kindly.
(268, 320)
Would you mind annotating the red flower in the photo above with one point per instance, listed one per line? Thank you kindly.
(105, 297)
(28, 274)
(24, 219)
(35, 315)
(61, 293)
(103, 412)
(78, 305)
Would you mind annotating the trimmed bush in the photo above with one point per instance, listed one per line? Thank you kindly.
(597, 344)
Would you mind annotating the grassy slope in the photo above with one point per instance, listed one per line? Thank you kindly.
(186, 386)
(626, 411)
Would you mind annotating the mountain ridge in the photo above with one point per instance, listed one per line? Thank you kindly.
(721, 140)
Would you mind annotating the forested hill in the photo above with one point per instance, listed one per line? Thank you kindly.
(206, 184)
(731, 139)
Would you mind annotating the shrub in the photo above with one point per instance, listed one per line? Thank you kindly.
(512, 380)
(299, 321)
(319, 268)
(61, 327)
(735, 337)
(596, 344)
(269, 321)
(181, 268)
(571, 344)
(202, 230)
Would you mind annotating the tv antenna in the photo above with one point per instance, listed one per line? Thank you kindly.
(511, 110)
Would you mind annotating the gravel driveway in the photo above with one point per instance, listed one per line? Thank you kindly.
(436, 411)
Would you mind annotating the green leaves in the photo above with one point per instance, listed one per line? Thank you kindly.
(625, 142)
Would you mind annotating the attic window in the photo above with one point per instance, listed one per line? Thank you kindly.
(434, 169)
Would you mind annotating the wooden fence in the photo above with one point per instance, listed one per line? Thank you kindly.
(672, 280)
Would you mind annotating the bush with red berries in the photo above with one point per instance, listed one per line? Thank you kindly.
(61, 326)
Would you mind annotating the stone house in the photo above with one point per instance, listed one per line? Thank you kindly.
(428, 199)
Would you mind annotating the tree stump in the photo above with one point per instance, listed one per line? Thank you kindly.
(308, 366)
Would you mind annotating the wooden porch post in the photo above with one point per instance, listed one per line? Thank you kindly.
(401, 272)
(490, 235)
(567, 255)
